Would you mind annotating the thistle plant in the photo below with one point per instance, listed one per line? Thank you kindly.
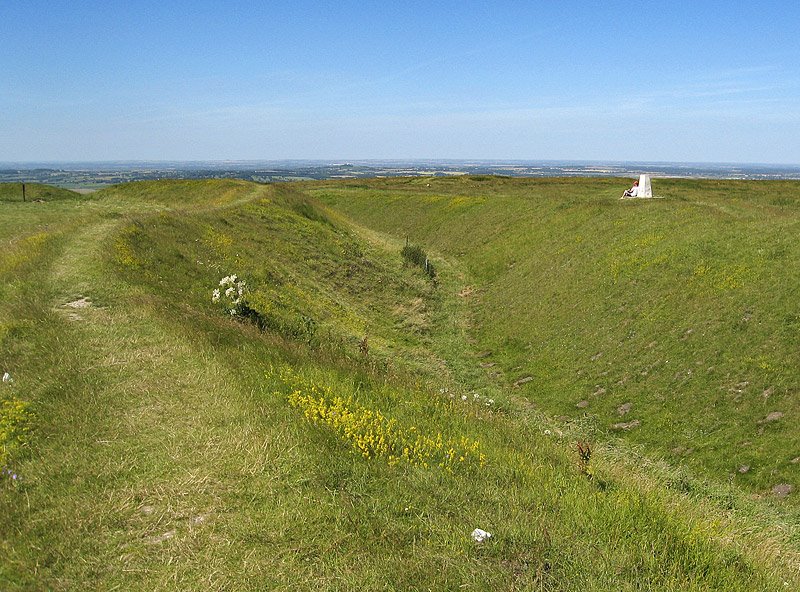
(585, 459)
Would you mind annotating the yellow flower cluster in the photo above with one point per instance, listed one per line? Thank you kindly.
(124, 251)
(21, 252)
(374, 435)
(724, 279)
(14, 429)
(637, 255)
(219, 241)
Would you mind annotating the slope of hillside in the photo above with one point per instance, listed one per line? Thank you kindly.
(34, 192)
(322, 435)
(672, 322)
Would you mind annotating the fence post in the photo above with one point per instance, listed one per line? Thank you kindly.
(23, 192)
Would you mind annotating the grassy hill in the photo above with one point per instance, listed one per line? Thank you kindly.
(34, 192)
(680, 315)
(353, 419)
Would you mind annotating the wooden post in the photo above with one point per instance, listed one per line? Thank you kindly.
(23, 192)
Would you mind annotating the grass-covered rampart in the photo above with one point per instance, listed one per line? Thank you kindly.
(178, 446)
(34, 192)
(671, 322)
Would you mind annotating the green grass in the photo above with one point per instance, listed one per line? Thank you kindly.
(684, 308)
(34, 192)
(167, 451)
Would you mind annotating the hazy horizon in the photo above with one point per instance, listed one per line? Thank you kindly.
(95, 175)
(378, 160)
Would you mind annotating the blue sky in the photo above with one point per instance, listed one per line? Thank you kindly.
(664, 81)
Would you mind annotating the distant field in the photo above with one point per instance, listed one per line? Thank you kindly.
(584, 378)
(96, 175)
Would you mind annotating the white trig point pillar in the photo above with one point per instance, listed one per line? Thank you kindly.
(644, 189)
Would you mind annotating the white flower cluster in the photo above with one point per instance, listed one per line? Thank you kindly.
(476, 398)
(7, 378)
(486, 401)
(230, 292)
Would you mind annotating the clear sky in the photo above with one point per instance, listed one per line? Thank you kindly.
(663, 81)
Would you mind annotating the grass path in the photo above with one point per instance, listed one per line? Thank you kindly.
(146, 439)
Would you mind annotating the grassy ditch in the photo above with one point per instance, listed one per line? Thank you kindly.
(177, 445)
(669, 322)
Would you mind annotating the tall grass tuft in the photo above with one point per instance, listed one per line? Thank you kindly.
(415, 255)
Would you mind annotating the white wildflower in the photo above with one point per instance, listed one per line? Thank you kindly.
(547, 432)
(479, 535)
(231, 293)
(7, 378)
(463, 397)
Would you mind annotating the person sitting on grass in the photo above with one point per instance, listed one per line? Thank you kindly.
(630, 192)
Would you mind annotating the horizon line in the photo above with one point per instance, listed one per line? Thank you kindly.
(346, 161)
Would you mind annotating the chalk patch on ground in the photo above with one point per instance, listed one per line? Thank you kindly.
(70, 309)
(82, 302)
